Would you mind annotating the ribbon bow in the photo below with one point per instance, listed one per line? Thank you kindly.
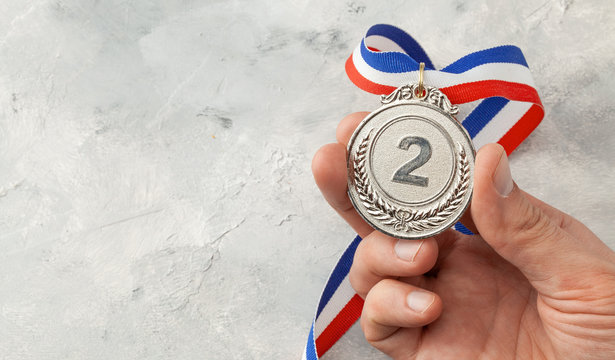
(501, 105)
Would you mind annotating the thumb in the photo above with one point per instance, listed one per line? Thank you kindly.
(523, 230)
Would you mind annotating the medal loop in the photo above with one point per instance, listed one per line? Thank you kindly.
(420, 91)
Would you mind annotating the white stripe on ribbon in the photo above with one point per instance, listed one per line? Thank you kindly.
(382, 43)
(491, 71)
(336, 303)
(466, 108)
(499, 125)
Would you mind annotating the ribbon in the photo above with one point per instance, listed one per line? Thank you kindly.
(502, 106)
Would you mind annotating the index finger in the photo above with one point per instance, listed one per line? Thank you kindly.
(330, 173)
(348, 125)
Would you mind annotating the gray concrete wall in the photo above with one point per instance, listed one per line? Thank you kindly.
(156, 200)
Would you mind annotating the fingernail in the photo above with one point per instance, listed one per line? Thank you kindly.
(502, 179)
(420, 301)
(407, 249)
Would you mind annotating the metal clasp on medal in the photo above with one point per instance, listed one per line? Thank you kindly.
(421, 92)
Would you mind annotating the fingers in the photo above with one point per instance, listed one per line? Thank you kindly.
(380, 256)
(393, 313)
(347, 126)
(329, 169)
(330, 174)
(521, 229)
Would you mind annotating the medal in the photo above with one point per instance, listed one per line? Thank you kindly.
(411, 164)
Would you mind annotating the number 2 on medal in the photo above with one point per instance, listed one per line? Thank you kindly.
(402, 175)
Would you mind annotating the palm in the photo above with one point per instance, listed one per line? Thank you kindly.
(489, 306)
(493, 311)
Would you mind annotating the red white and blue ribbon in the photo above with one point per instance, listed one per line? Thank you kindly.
(498, 103)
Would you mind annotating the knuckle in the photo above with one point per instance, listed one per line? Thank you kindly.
(320, 156)
(385, 284)
(374, 312)
(371, 336)
(368, 321)
(367, 325)
(366, 255)
(356, 282)
(366, 272)
(600, 287)
(376, 298)
(533, 225)
(356, 275)
(361, 252)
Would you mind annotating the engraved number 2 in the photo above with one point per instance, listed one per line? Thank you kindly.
(402, 175)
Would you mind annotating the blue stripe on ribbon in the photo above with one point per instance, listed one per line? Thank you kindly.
(339, 273)
(500, 54)
(483, 114)
(462, 229)
(310, 349)
(397, 62)
(404, 40)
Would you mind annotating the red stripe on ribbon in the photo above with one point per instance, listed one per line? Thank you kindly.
(457, 94)
(338, 327)
(363, 83)
(464, 93)
(522, 129)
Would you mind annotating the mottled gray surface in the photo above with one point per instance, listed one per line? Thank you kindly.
(156, 199)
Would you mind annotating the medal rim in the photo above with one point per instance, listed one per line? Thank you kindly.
(350, 182)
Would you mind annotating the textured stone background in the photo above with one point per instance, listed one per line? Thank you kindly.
(156, 199)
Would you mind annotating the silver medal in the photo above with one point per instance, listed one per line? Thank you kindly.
(411, 164)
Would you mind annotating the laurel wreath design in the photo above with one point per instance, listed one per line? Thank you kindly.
(401, 219)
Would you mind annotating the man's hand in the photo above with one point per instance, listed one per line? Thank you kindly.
(535, 282)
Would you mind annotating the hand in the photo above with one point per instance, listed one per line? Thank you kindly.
(535, 283)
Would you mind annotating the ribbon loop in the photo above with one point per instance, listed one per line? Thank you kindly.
(388, 57)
